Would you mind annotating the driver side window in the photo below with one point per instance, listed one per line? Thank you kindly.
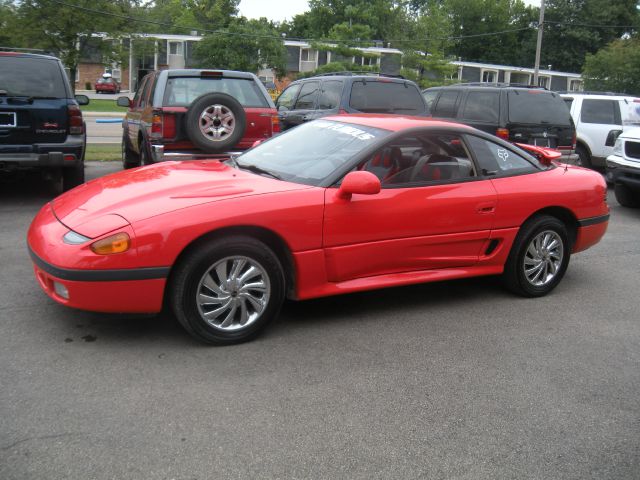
(418, 159)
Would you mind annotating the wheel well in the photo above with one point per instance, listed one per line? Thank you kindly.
(266, 236)
(565, 216)
(586, 148)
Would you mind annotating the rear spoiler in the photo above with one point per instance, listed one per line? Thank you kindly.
(544, 154)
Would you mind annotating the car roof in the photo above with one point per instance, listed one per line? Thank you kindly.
(489, 86)
(27, 55)
(369, 78)
(599, 95)
(395, 123)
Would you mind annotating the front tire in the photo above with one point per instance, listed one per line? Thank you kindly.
(227, 290)
(539, 257)
(626, 196)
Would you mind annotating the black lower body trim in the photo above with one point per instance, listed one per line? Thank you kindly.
(593, 220)
(100, 275)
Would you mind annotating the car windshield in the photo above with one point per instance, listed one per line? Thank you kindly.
(182, 91)
(31, 77)
(309, 153)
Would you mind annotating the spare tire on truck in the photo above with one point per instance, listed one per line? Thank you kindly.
(215, 122)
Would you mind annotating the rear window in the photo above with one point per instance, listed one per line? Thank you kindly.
(182, 91)
(32, 77)
(386, 97)
(537, 107)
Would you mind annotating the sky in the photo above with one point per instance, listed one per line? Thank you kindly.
(277, 10)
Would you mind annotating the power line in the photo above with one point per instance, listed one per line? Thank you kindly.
(571, 24)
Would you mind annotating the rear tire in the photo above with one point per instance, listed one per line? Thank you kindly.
(626, 196)
(145, 158)
(539, 257)
(584, 159)
(72, 177)
(129, 158)
(227, 290)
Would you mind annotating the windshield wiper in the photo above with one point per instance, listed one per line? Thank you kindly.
(258, 170)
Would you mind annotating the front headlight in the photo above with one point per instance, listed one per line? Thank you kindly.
(617, 148)
(74, 238)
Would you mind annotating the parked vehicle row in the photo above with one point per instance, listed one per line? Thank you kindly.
(41, 125)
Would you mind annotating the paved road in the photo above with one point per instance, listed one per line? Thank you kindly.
(453, 380)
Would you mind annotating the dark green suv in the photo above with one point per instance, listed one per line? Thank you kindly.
(41, 125)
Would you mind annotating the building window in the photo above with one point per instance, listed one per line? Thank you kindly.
(370, 61)
(519, 78)
(544, 81)
(575, 85)
(489, 76)
(176, 48)
(308, 59)
(308, 55)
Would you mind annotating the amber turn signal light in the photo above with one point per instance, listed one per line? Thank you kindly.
(118, 243)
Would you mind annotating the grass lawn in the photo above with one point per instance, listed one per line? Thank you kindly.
(102, 105)
(103, 152)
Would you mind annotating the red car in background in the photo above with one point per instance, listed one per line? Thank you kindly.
(188, 114)
(337, 205)
(107, 85)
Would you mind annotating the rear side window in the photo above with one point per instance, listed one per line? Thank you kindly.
(307, 98)
(182, 91)
(374, 96)
(537, 107)
(446, 106)
(494, 159)
(599, 111)
(330, 95)
(482, 106)
(32, 77)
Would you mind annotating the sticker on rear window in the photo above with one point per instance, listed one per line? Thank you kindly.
(345, 129)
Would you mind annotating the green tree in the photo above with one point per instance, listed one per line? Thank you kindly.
(614, 68)
(8, 23)
(67, 30)
(575, 28)
(247, 45)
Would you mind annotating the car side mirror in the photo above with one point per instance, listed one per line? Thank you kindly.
(544, 154)
(360, 182)
(124, 102)
(82, 99)
(612, 137)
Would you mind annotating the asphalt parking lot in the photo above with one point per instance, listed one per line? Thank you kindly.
(449, 380)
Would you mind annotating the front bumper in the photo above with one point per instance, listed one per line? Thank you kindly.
(73, 276)
(623, 171)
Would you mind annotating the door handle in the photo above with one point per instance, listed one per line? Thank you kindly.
(486, 208)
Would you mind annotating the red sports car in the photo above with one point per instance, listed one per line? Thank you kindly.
(337, 205)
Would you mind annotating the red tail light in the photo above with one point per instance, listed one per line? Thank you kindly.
(502, 133)
(275, 124)
(163, 125)
(76, 127)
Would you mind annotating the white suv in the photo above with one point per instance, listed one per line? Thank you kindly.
(623, 168)
(599, 119)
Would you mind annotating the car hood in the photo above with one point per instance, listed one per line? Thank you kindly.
(110, 202)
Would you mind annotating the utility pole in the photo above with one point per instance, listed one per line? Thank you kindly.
(539, 43)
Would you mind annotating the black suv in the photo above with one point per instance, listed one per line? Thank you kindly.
(516, 113)
(41, 125)
(347, 92)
